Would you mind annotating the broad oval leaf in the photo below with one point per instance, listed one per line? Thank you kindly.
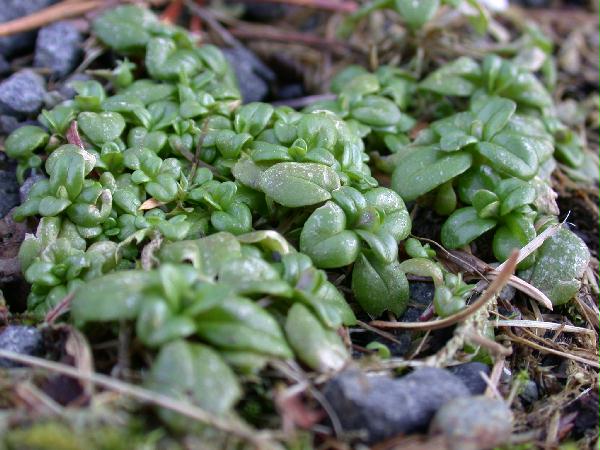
(379, 287)
(101, 127)
(325, 239)
(561, 262)
(464, 226)
(193, 373)
(320, 349)
(115, 296)
(426, 168)
(299, 184)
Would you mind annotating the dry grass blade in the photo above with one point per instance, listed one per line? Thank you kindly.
(259, 439)
(511, 336)
(48, 15)
(493, 289)
(542, 325)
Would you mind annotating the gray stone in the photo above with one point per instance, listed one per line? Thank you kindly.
(9, 191)
(13, 9)
(4, 65)
(470, 374)
(252, 75)
(474, 423)
(20, 339)
(22, 94)
(8, 124)
(58, 48)
(377, 407)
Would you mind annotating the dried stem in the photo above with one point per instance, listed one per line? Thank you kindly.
(48, 15)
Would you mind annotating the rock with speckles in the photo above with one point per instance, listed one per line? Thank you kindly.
(474, 423)
(471, 374)
(58, 48)
(377, 407)
(252, 74)
(20, 339)
(13, 9)
(560, 264)
(22, 94)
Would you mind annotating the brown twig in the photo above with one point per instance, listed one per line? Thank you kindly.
(513, 337)
(48, 15)
(60, 308)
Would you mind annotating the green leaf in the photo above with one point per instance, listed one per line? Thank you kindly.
(22, 142)
(515, 232)
(512, 154)
(376, 112)
(561, 262)
(426, 168)
(446, 303)
(454, 78)
(113, 297)
(252, 118)
(207, 254)
(166, 61)
(125, 28)
(239, 324)
(299, 184)
(193, 373)
(464, 226)
(416, 13)
(320, 349)
(326, 240)
(101, 127)
(396, 221)
(379, 287)
(495, 114)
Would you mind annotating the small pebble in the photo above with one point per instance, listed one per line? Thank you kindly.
(9, 191)
(20, 339)
(22, 94)
(252, 75)
(470, 374)
(378, 407)
(8, 124)
(58, 48)
(13, 9)
(4, 65)
(474, 423)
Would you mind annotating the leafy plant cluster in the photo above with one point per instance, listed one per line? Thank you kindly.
(163, 192)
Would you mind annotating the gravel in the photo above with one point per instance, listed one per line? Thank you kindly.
(252, 75)
(474, 423)
(470, 374)
(20, 339)
(13, 9)
(58, 48)
(22, 94)
(377, 407)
